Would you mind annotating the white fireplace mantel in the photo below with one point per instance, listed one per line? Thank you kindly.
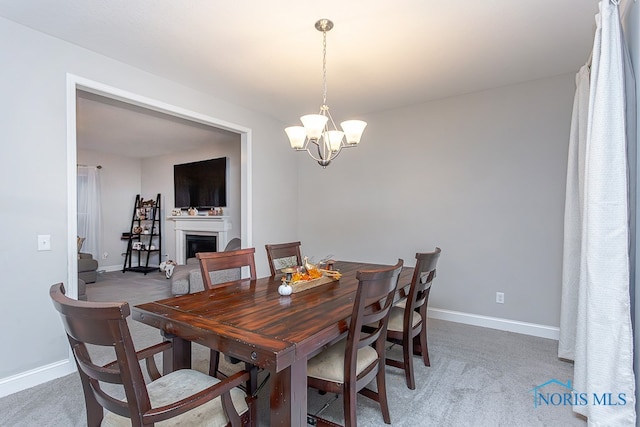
(199, 225)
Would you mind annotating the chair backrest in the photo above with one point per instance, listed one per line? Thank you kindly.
(423, 275)
(283, 255)
(223, 267)
(104, 325)
(368, 326)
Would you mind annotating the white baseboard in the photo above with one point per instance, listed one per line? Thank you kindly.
(110, 268)
(34, 377)
(524, 328)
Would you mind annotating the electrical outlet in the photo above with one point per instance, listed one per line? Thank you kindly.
(500, 297)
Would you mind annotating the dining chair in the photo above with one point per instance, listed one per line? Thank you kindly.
(353, 362)
(408, 319)
(283, 255)
(182, 397)
(219, 268)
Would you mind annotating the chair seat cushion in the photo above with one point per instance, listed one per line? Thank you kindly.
(396, 319)
(329, 365)
(178, 385)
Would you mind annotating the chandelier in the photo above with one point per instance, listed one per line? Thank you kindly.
(319, 132)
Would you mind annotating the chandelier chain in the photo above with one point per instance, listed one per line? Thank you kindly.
(324, 68)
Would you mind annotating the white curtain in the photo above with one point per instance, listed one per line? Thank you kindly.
(89, 209)
(596, 329)
(573, 217)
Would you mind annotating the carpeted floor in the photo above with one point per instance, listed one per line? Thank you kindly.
(478, 376)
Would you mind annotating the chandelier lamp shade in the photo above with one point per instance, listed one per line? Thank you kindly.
(319, 136)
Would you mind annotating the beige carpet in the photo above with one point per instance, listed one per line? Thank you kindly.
(478, 377)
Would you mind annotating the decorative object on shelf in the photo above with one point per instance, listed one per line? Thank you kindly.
(176, 212)
(315, 131)
(137, 230)
(193, 211)
(215, 212)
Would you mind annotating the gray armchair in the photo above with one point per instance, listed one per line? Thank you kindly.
(87, 267)
(187, 278)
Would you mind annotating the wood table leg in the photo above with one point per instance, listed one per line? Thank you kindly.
(289, 396)
(179, 357)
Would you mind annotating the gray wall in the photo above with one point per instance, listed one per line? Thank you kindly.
(482, 176)
(35, 189)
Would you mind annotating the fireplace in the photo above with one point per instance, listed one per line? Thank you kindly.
(198, 243)
(213, 228)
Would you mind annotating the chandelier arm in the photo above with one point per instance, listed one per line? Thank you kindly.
(319, 158)
(333, 156)
(308, 149)
(325, 151)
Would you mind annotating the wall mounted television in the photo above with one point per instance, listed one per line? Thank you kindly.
(200, 184)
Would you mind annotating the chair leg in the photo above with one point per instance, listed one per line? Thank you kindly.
(421, 347)
(382, 394)
(349, 403)
(407, 354)
(95, 412)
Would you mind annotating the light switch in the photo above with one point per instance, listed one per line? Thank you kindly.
(44, 242)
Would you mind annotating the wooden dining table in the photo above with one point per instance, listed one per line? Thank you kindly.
(251, 321)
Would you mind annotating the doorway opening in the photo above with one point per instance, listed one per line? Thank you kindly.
(75, 84)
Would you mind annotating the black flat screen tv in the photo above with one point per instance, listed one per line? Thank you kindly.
(201, 184)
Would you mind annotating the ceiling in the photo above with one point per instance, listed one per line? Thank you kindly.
(115, 127)
(267, 56)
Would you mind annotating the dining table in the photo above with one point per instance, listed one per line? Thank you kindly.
(249, 320)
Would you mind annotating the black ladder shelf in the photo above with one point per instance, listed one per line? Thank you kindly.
(145, 236)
